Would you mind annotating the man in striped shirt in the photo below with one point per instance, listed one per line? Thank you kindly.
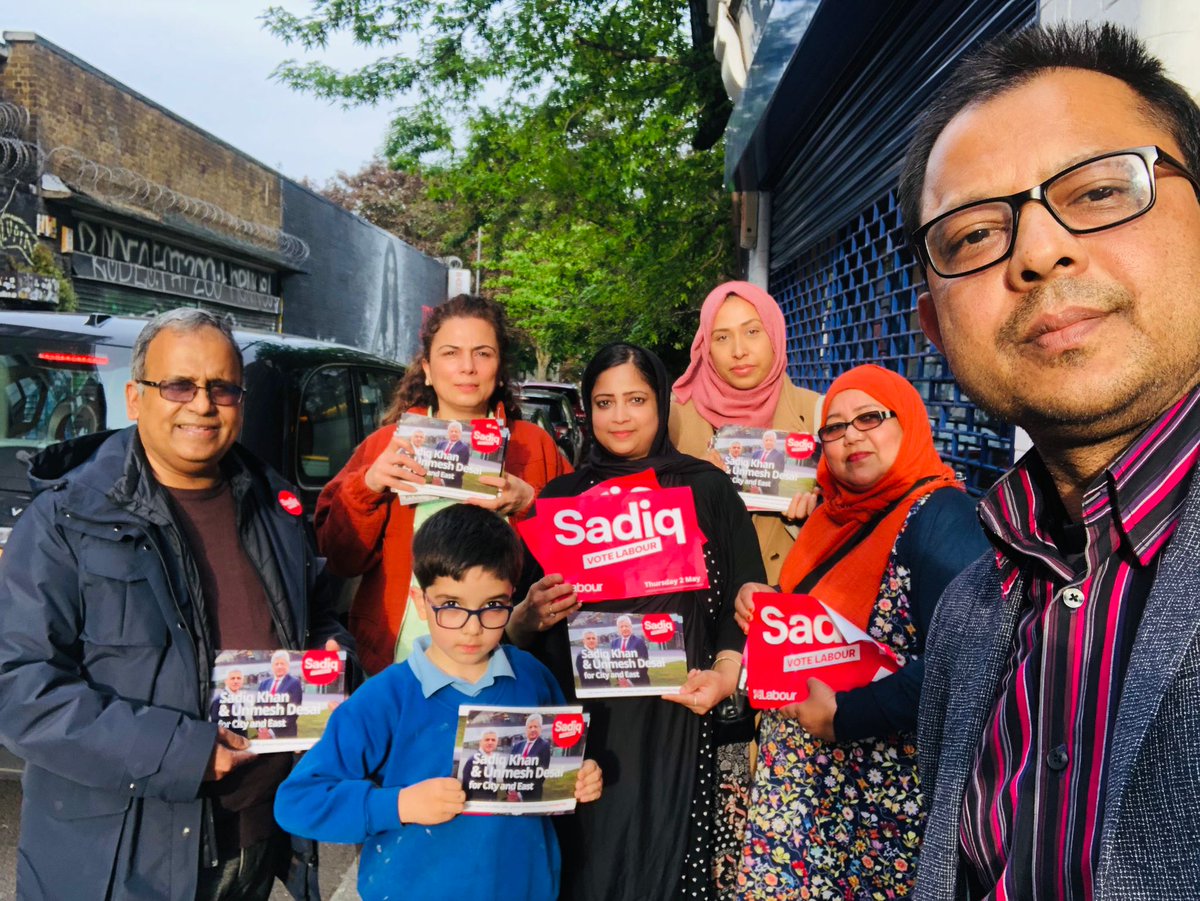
(1057, 213)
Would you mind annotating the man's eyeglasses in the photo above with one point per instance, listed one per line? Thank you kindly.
(452, 616)
(181, 391)
(1099, 193)
(863, 422)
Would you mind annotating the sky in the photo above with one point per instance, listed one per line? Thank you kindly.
(210, 61)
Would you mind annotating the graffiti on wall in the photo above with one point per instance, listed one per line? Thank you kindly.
(15, 233)
(361, 286)
(125, 247)
(27, 286)
(109, 254)
(119, 272)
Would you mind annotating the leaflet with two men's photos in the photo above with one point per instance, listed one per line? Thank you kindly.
(622, 654)
(279, 699)
(768, 467)
(455, 456)
(519, 760)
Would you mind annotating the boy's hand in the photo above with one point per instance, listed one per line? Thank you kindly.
(589, 783)
(431, 802)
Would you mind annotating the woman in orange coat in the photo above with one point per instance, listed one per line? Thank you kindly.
(363, 530)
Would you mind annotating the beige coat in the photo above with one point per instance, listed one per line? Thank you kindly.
(798, 411)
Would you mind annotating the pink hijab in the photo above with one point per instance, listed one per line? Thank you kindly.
(714, 398)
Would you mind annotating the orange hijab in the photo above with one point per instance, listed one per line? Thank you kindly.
(852, 586)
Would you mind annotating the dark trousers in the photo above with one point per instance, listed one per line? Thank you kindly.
(246, 876)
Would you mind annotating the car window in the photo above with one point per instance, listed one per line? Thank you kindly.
(325, 436)
(51, 391)
(375, 388)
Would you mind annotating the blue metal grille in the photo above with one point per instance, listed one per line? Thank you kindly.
(852, 298)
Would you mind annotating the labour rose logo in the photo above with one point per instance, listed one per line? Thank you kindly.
(290, 502)
(658, 628)
(567, 730)
(320, 667)
(801, 446)
(485, 436)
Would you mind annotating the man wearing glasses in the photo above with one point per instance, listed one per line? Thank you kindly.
(1054, 209)
(145, 552)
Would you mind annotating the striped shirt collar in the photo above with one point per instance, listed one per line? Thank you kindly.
(1142, 491)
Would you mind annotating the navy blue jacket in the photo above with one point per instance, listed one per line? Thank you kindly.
(105, 665)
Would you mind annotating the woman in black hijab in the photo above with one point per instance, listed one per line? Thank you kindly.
(651, 834)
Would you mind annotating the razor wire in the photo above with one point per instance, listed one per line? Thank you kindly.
(122, 185)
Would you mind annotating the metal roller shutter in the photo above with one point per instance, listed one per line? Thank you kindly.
(839, 268)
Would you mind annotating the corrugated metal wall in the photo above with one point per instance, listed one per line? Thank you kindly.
(839, 268)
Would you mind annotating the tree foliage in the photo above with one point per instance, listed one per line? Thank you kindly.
(579, 135)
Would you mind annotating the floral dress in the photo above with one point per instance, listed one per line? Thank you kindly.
(839, 820)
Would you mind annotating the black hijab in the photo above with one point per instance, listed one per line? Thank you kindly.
(663, 458)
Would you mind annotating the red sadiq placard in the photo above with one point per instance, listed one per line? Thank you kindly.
(633, 543)
(796, 637)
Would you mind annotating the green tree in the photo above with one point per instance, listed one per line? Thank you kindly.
(581, 136)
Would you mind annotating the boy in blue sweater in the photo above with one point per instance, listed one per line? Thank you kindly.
(380, 774)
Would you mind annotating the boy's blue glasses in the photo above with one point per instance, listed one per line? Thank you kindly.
(451, 616)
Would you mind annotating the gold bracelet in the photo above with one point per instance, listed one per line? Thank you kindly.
(726, 655)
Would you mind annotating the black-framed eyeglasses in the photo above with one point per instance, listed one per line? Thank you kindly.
(181, 391)
(863, 422)
(1098, 193)
(452, 616)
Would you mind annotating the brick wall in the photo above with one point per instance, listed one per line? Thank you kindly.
(74, 105)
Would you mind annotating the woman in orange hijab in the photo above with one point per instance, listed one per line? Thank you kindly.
(837, 807)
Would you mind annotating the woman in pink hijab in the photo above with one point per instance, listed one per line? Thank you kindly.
(737, 377)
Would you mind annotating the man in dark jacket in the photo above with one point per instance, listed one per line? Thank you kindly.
(144, 553)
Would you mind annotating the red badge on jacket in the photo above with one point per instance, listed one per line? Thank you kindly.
(291, 503)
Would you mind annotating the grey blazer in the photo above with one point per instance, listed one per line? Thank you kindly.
(1150, 844)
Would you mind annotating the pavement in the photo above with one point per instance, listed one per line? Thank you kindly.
(338, 873)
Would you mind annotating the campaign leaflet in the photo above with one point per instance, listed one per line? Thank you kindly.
(796, 637)
(622, 654)
(455, 455)
(769, 467)
(519, 760)
(280, 700)
(611, 543)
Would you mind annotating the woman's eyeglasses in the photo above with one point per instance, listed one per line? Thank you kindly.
(181, 391)
(863, 422)
(451, 616)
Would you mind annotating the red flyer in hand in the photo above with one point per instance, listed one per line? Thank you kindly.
(637, 542)
(796, 637)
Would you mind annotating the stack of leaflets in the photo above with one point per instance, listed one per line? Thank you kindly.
(768, 467)
(455, 455)
(519, 760)
(279, 699)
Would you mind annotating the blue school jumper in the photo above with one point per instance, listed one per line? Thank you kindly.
(396, 730)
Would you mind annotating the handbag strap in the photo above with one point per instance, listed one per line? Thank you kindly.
(819, 572)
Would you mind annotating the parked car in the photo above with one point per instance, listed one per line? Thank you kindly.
(308, 403)
(567, 389)
(556, 410)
